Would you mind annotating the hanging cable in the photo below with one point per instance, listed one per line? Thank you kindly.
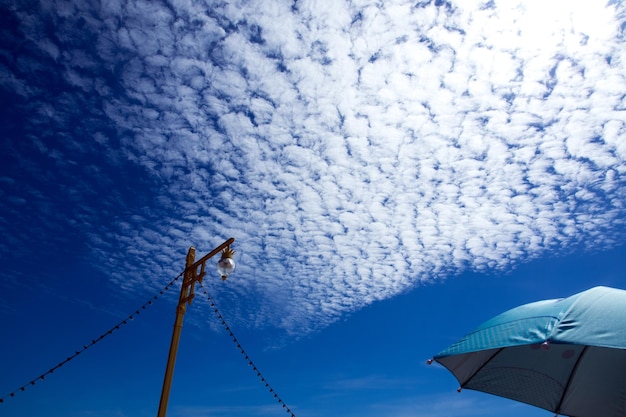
(93, 341)
(245, 355)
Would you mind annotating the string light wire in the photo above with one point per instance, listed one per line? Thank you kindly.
(92, 343)
(245, 355)
(130, 317)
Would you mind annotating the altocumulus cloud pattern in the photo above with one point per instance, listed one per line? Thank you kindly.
(354, 149)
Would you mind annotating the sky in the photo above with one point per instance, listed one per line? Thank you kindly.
(393, 173)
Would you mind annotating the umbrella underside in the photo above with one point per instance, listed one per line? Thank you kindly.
(571, 380)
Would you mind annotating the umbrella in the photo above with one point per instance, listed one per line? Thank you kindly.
(567, 356)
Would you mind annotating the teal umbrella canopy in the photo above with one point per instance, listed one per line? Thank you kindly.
(567, 356)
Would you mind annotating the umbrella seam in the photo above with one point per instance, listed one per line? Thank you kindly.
(481, 367)
(569, 380)
(482, 329)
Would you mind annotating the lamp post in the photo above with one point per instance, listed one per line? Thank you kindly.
(225, 266)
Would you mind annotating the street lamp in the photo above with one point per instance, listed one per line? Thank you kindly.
(225, 266)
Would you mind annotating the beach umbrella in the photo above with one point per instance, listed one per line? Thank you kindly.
(567, 356)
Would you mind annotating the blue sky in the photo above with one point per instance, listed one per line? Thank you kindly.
(393, 173)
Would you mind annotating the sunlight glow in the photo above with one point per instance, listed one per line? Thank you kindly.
(571, 23)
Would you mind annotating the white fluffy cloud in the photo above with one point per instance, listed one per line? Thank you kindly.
(356, 149)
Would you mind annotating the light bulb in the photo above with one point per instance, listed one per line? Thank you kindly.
(226, 264)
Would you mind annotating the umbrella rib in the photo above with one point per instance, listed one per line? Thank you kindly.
(572, 374)
(481, 367)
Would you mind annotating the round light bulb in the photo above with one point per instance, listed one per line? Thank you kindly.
(226, 265)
